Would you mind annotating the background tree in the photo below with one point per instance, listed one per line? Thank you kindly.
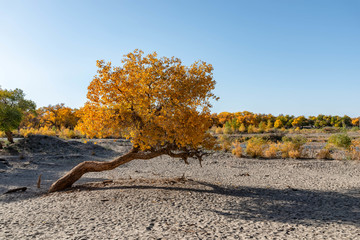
(158, 103)
(13, 105)
(355, 122)
(58, 116)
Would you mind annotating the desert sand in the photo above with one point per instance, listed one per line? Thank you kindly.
(163, 198)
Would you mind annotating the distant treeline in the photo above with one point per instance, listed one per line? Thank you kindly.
(59, 116)
(242, 121)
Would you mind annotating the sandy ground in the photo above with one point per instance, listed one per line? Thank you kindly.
(162, 198)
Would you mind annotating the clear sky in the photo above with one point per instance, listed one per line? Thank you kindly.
(281, 57)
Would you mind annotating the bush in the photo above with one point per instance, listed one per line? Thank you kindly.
(340, 140)
(324, 154)
(219, 130)
(286, 148)
(255, 147)
(227, 129)
(298, 140)
(292, 146)
(272, 150)
(242, 128)
(237, 151)
(225, 143)
(294, 153)
(354, 151)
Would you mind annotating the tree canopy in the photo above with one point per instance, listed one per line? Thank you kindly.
(155, 102)
(12, 107)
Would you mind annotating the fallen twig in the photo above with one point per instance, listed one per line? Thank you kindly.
(23, 189)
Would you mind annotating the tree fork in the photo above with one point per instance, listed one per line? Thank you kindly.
(93, 166)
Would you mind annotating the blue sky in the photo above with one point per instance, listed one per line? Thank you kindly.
(279, 57)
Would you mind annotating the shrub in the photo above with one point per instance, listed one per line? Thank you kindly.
(225, 143)
(294, 153)
(255, 147)
(339, 140)
(285, 148)
(292, 147)
(242, 128)
(324, 154)
(237, 151)
(251, 129)
(66, 133)
(219, 130)
(354, 150)
(272, 150)
(227, 129)
(297, 140)
(262, 127)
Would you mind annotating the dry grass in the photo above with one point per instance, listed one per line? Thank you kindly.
(225, 143)
(64, 133)
(237, 150)
(271, 151)
(354, 150)
(255, 147)
(324, 154)
(290, 150)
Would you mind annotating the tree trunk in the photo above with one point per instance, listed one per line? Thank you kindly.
(9, 136)
(92, 166)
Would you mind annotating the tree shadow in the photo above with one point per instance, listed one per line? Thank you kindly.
(268, 204)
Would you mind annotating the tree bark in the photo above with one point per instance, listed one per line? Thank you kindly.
(93, 166)
(9, 136)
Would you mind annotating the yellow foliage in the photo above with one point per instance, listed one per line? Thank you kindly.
(324, 154)
(354, 151)
(255, 147)
(237, 151)
(251, 129)
(152, 101)
(290, 150)
(355, 122)
(62, 133)
(272, 150)
(278, 124)
(225, 144)
(223, 117)
(219, 130)
(242, 128)
(294, 154)
(58, 116)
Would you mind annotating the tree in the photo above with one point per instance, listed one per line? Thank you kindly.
(13, 105)
(278, 124)
(58, 116)
(299, 122)
(162, 106)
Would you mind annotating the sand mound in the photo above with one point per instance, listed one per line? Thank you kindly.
(41, 144)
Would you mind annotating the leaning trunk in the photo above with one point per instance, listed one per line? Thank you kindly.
(92, 166)
(9, 136)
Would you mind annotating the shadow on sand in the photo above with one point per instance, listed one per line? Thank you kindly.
(266, 204)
